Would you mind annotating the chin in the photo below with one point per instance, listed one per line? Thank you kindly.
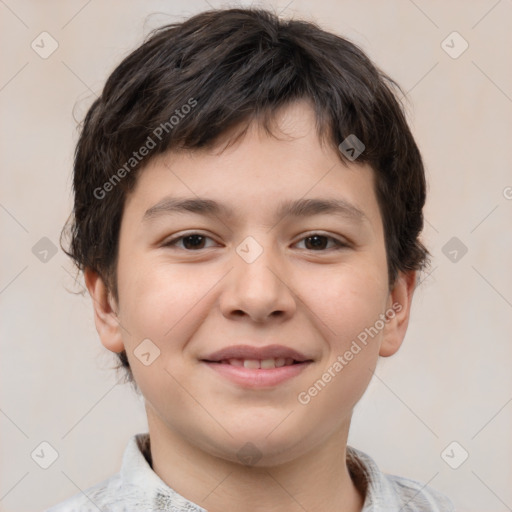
(263, 447)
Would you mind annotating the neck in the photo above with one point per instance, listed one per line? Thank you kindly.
(317, 480)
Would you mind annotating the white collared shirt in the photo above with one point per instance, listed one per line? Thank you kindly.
(137, 488)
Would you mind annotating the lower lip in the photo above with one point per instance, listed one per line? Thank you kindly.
(258, 378)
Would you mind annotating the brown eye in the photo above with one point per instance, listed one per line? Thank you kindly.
(190, 242)
(318, 242)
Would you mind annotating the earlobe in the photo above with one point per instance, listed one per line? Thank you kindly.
(398, 313)
(105, 315)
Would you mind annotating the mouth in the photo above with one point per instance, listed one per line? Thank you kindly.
(269, 356)
(258, 364)
(257, 367)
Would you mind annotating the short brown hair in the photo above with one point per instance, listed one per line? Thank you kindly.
(233, 66)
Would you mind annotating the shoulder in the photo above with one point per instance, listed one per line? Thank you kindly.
(110, 495)
(131, 489)
(384, 492)
(418, 497)
(96, 497)
(136, 488)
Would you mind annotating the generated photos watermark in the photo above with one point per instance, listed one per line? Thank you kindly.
(150, 143)
(304, 397)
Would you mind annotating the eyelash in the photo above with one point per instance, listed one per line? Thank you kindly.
(339, 244)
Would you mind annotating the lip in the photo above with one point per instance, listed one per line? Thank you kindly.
(261, 377)
(257, 378)
(259, 353)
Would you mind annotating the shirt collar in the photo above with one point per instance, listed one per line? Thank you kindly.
(380, 496)
(137, 474)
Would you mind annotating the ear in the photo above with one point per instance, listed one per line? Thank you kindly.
(398, 312)
(105, 315)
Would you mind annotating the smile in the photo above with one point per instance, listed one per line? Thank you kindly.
(263, 364)
(255, 374)
(252, 366)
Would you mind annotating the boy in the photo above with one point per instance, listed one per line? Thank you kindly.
(218, 157)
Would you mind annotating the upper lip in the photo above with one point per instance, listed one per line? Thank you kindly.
(256, 353)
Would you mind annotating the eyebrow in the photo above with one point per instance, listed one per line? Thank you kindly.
(295, 208)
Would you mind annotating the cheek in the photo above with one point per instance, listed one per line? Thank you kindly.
(158, 304)
(348, 305)
(159, 297)
(346, 301)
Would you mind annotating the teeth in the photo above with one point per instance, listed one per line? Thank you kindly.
(265, 364)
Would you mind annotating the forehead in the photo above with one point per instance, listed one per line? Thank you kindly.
(259, 169)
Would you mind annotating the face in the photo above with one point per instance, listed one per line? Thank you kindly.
(266, 307)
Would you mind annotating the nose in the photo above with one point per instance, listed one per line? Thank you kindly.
(258, 290)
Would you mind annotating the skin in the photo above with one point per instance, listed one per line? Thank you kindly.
(190, 302)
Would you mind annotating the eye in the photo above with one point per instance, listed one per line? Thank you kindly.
(191, 241)
(318, 242)
(196, 241)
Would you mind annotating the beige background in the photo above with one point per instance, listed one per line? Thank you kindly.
(451, 381)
